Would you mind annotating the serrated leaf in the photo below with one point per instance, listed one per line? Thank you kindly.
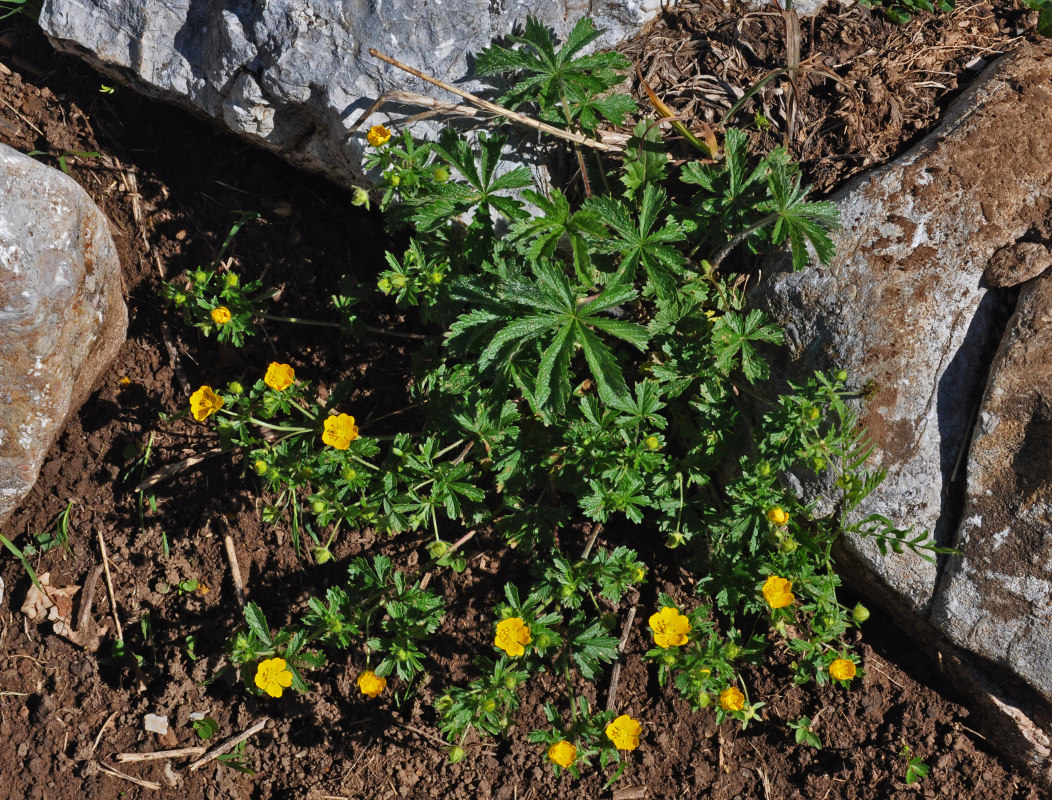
(257, 623)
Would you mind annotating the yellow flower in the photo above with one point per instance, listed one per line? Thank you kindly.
(512, 634)
(731, 699)
(778, 592)
(279, 377)
(777, 515)
(273, 677)
(562, 753)
(370, 684)
(670, 627)
(842, 670)
(221, 315)
(624, 732)
(204, 403)
(378, 136)
(340, 431)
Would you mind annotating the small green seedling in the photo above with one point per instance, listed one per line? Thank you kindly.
(916, 770)
(805, 733)
(205, 728)
(236, 759)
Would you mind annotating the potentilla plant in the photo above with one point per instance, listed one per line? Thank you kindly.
(599, 371)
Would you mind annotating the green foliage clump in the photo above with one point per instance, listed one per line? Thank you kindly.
(598, 376)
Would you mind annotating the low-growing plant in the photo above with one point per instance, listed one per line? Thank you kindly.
(382, 609)
(600, 376)
(916, 770)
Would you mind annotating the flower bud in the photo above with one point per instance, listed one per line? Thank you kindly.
(436, 277)
(319, 506)
(360, 198)
(438, 549)
(179, 298)
(841, 376)
(231, 279)
(441, 175)
(638, 574)
(199, 276)
(511, 683)
(731, 651)
(675, 539)
(398, 280)
(394, 180)
(322, 555)
(489, 705)
(653, 443)
(235, 388)
(860, 613)
(384, 285)
(260, 466)
(704, 701)
(456, 754)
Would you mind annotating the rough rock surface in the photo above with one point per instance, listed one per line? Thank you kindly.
(62, 312)
(295, 75)
(905, 307)
(996, 599)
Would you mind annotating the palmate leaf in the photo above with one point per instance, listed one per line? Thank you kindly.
(796, 219)
(590, 646)
(538, 237)
(732, 339)
(553, 321)
(481, 185)
(641, 243)
(556, 78)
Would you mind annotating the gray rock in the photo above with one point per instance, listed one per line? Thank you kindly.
(62, 313)
(295, 75)
(904, 308)
(996, 599)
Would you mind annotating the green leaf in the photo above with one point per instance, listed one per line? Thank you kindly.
(641, 243)
(795, 219)
(645, 160)
(257, 623)
(732, 339)
(565, 86)
(590, 646)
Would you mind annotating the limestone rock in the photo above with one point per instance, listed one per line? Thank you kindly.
(904, 308)
(295, 75)
(62, 313)
(996, 599)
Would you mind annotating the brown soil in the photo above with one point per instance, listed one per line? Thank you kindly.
(168, 184)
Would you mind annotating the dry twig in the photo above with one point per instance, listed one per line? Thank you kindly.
(137, 781)
(179, 752)
(98, 736)
(109, 587)
(229, 744)
(615, 673)
(174, 469)
(235, 571)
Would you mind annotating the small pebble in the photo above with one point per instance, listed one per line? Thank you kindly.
(155, 724)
